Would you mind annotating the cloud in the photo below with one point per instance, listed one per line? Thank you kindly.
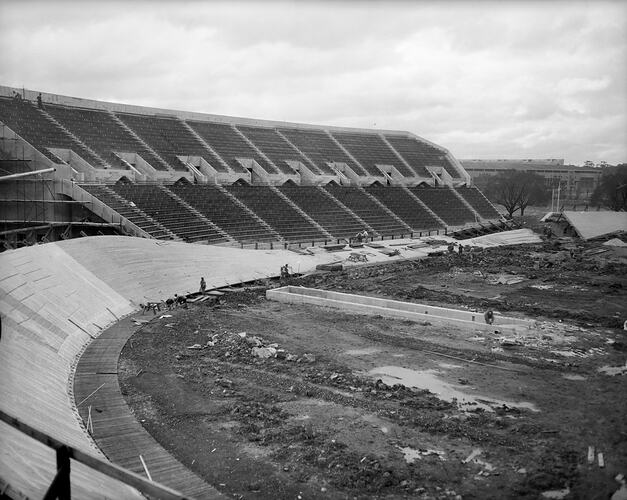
(511, 79)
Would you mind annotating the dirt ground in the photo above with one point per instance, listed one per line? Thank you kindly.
(325, 415)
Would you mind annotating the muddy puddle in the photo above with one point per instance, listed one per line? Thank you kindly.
(429, 380)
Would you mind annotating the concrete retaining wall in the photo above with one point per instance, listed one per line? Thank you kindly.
(397, 309)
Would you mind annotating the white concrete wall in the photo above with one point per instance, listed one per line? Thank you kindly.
(396, 309)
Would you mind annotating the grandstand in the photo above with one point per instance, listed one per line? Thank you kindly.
(165, 174)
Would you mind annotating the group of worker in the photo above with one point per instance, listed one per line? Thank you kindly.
(451, 248)
(169, 304)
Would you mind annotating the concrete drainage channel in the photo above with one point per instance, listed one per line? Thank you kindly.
(397, 309)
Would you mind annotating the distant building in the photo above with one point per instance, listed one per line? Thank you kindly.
(576, 183)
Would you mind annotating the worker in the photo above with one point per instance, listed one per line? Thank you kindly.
(203, 285)
(489, 316)
(361, 236)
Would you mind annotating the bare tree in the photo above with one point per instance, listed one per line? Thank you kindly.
(516, 190)
(612, 189)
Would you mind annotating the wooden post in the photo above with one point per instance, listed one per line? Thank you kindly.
(60, 486)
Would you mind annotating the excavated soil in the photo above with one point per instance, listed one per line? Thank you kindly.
(341, 406)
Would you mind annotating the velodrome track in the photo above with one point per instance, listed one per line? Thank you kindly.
(56, 297)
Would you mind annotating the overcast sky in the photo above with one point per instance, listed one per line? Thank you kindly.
(486, 80)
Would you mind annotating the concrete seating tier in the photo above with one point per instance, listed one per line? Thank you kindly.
(405, 207)
(277, 213)
(102, 133)
(169, 138)
(330, 215)
(229, 144)
(420, 154)
(168, 212)
(273, 146)
(366, 209)
(223, 212)
(370, 150)
(317, 146)
(445, 203)
(28, 121)
(479, 202)
(125, 209)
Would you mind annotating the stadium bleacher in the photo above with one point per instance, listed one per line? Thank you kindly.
(277, 213)
(101, 132)
(319, 148)
(223, 211)
(420, 154)
(405, 207)
(34, 126)
(446, 205)
(169, 138)
(274, 147)
(167, 211)
(225, 140)
(370, 150)
(300, 206)
(323, 209)
(316, 146)
(479, 202)
(366, 209)
(125, 209)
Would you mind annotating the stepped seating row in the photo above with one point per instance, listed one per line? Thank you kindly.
(317, 147)
(271, 144)
(171, 214)
(405, 207)
(276, 212)
(225, 140)
(445, 203)
(323, 209)
(125, 209)
(169, 138)
(222, 206)
(223, 211)
(34, 126)
(103, 133)
(420, 154)
(366, 209)
(479, 202)
(370, 150)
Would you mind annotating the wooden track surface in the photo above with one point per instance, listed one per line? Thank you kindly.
(115, 429)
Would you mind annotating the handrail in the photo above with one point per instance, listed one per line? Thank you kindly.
(60, 484)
